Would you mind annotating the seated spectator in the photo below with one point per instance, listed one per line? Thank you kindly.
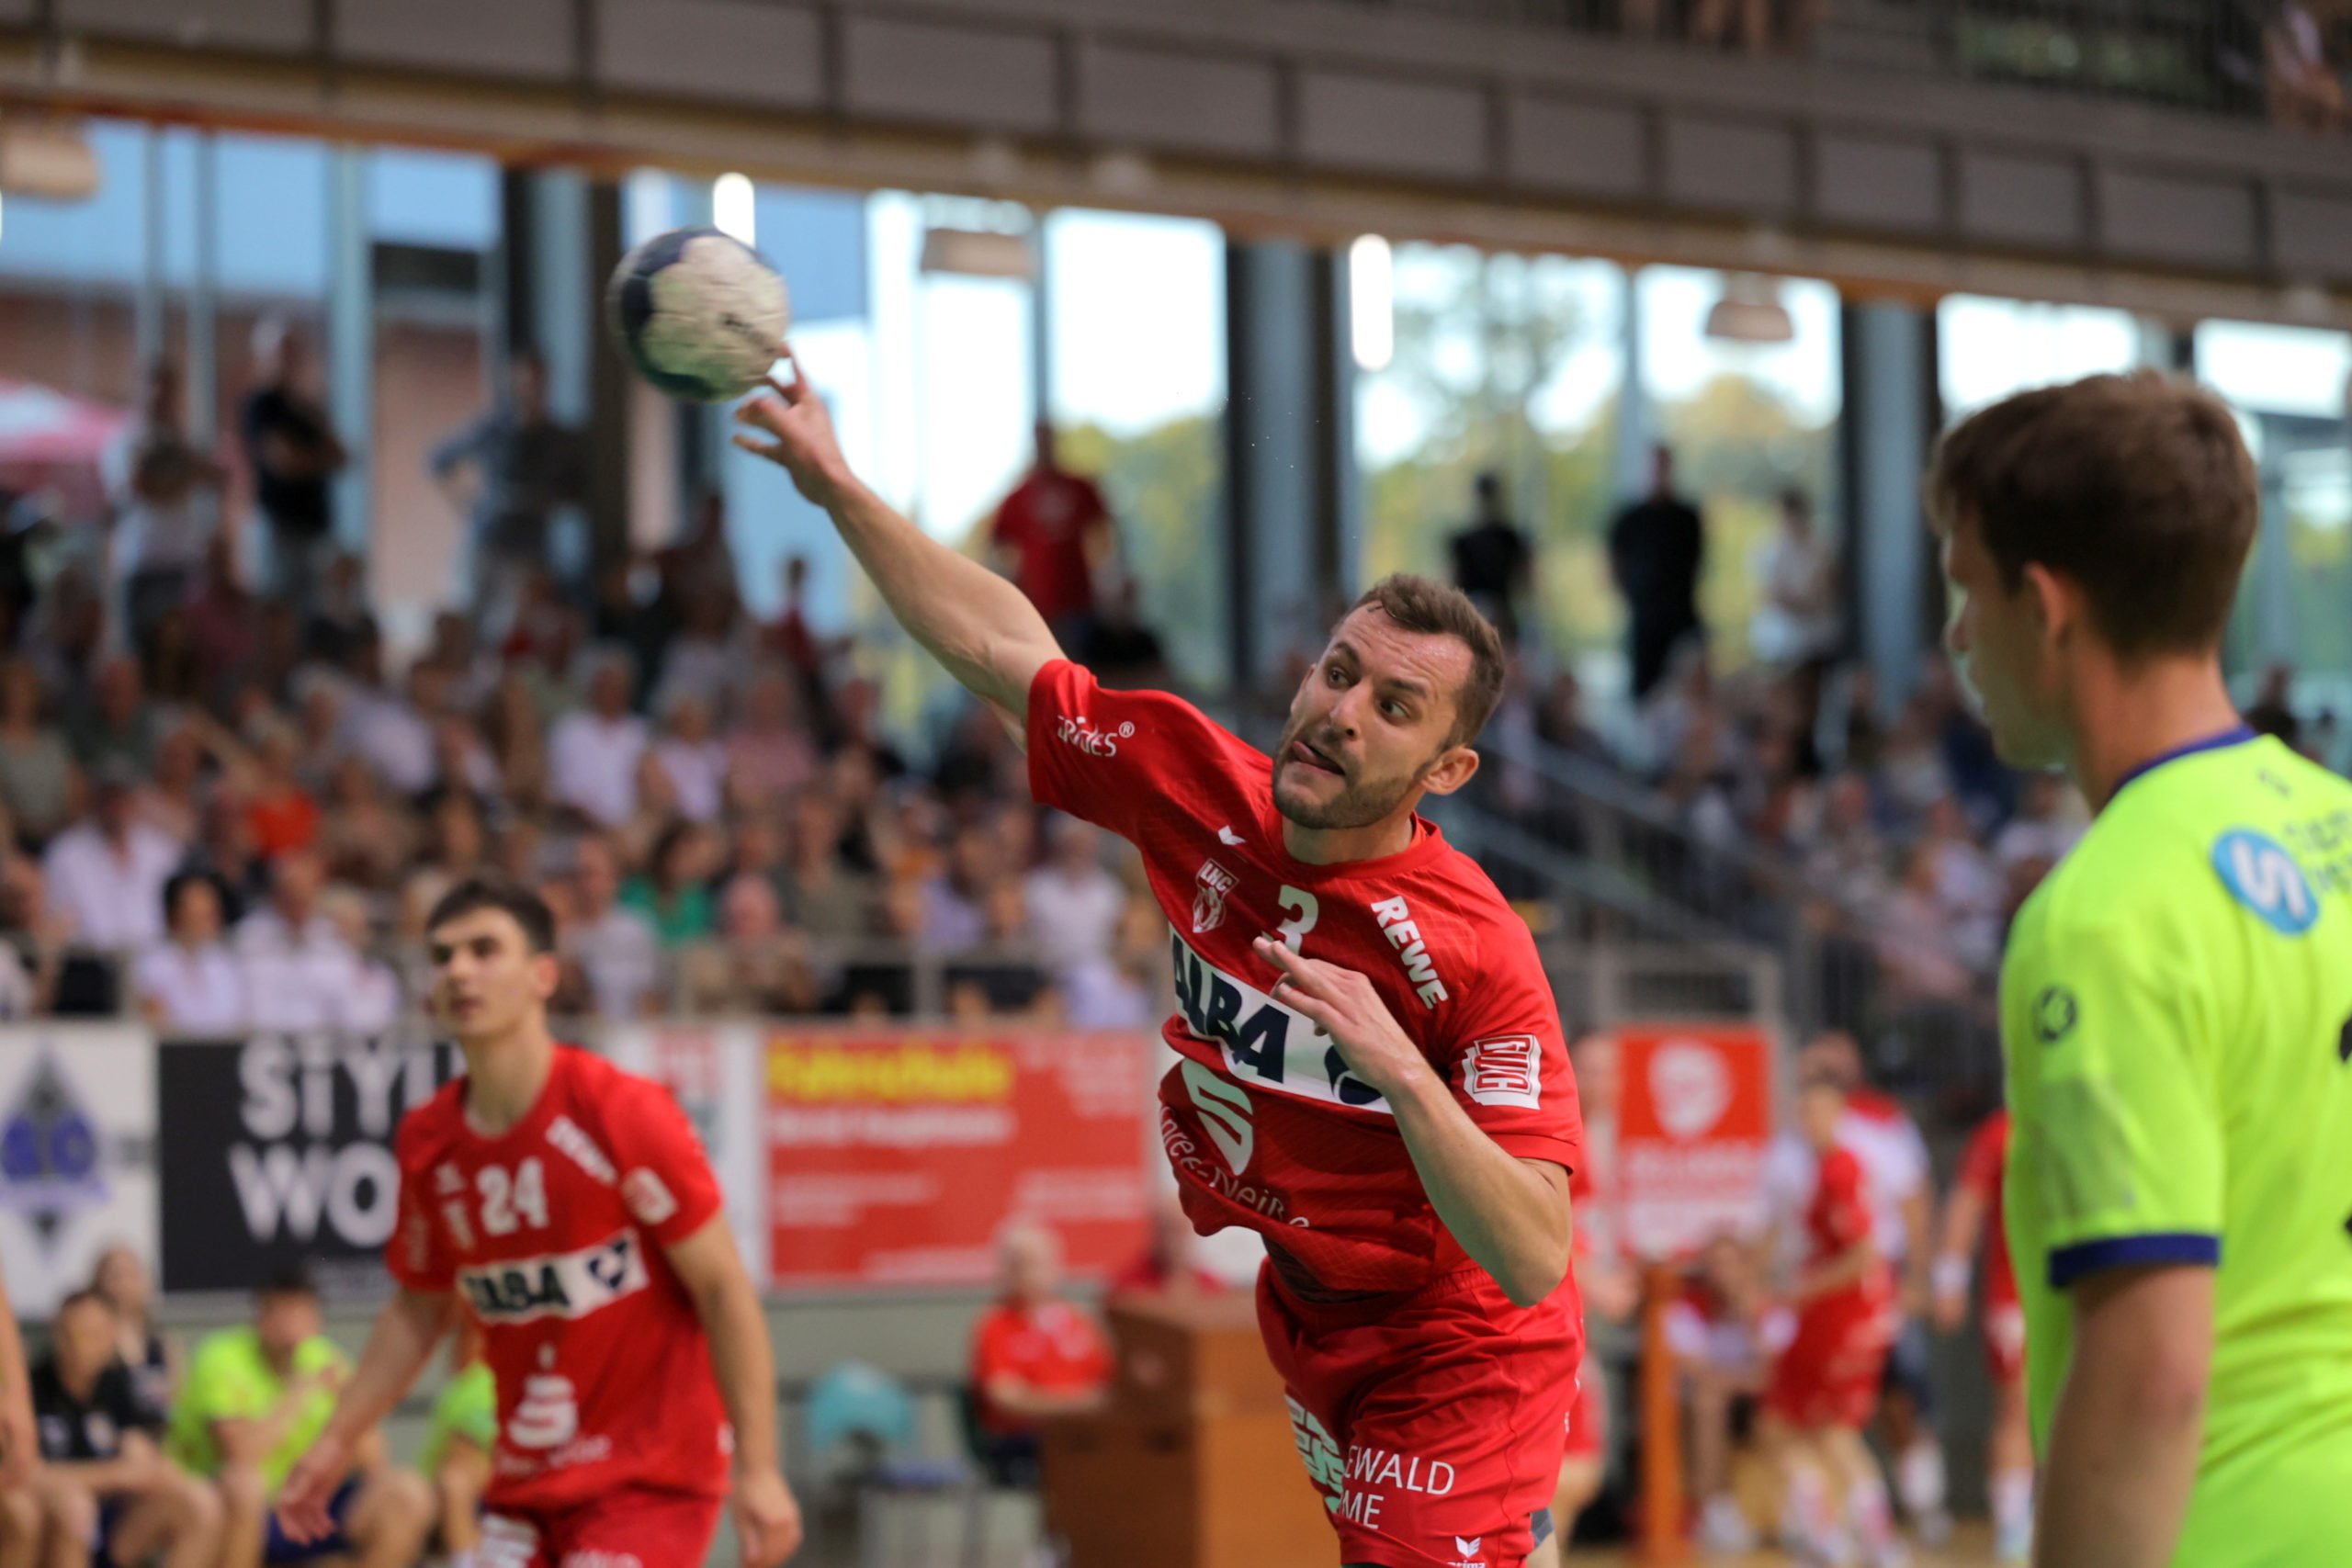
(366, 838)
(36, 766)
(954, 899)
(1918, 941)
(1073, 905)
(1034, 1356)
(673, 893)
(1724, 1332)
(299, 972)
(373, 1002)
(153, 1359)
(614, 946)
(1124, 988)
(393, 730)
(1166, 1268)
(189, 985)
(255, 1400)
(694, 762)
(117, 725)
(592, 753)
(703, 660)
(107, 874)
(769, 752)
(756, 965)
(174, 798)
(455, 1458)
(107, 1494)
(284, 815)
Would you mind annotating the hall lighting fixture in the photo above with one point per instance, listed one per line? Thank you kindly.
(1371, 303)
(48, 159)
(734, 208)
(1750, 312)
(978, 252)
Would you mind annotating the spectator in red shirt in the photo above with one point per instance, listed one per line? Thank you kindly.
(1034, 1356)
(1053, 537)
(1166, 1267)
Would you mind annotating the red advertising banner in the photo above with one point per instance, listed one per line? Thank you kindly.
(1693, 1122)
(897, 1158)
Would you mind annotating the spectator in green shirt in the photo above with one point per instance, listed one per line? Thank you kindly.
(456, 1455)
(252, 1401)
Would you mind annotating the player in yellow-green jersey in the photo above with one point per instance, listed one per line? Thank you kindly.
(2177, 1000)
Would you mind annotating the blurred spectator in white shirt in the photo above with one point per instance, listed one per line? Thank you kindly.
(616, 948)
(593, 753)
(371, 1003)
(167, 497)
(2048, 823)
(695, 762)
(1797, 623)
(705, 659)
(191, 983)
(1122, 989)
(769, 751)
(299, 971)
(107, 874)
(395, 733)
(955, 900)
(1073, 903)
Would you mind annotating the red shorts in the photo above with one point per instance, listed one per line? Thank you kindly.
(1432, 1424)
(2004, 1341)
(1829, 1375)
(629, 1528)
(1589, 1415)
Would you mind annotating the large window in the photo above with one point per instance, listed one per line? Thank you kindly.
(1988, 348)
(2290, 387)
(1746, 421)
(1509, 364)
(1135, 377)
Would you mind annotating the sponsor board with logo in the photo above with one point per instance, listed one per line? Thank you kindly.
(899, 1158)
(77, 1155)
(715, 1072)
(1694, 1124)
(278, 1151)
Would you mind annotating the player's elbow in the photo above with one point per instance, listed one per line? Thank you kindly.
(1531, 1279)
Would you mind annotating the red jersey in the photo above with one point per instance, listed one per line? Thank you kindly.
(554, 1233)
(1838, 1218)
(1045, 523)
(1264, 1124)
(1979, 1172)
(1054, 1348)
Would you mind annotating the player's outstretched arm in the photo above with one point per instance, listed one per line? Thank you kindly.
(1963, 1224)
(406, 1331)
(768, 1519)
(981, 628)
(2130, 1420)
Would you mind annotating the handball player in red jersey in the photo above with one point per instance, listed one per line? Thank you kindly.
(1370, 1073)
(1973, 1212)
(567, 1207)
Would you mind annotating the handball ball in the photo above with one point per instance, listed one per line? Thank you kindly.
(699, 313)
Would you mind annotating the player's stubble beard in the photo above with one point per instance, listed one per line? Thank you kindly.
(1360, 803)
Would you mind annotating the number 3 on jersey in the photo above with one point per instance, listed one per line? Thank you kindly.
(509, 1202)
(1304, 909)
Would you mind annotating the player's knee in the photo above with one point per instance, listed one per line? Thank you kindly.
(196, 1506)
(244, 1492)
(397, 1504)
(458, 1484)
(71, 1510)
(20, 1513)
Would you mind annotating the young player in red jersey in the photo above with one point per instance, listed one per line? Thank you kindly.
(1371, 1070)
(1826, 1385)
(567, 1207)
(1975, 1211)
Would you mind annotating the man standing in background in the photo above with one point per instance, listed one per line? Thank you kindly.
(166, 498)
(525, 468)
(1053, 537)
(291, 445)
(1492, 561)
(1656, 548)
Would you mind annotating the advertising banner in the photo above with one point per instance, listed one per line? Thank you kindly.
(77, 1155)
(278, 1151)
(898, 1158)
(1692, 1128)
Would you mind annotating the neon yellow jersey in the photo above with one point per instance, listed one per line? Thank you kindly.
(2177, 1016)
(468, 1408)
(228, 1379)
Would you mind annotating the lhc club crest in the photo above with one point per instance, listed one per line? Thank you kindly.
(1208, 897)
(49, 1152)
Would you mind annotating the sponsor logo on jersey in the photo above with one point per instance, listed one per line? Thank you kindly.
(1507, 1070)
(1467, 1551)
(461, 1225)
(1412, 949)
(448, 1178)
(1228, 838)
(1080, 733)
(2263, 876)
(649, 1199)
(548, 1415)
(1266, 1045)
(1208, 896)
(2054, 1012)
(581, 1149)
(561, 1285)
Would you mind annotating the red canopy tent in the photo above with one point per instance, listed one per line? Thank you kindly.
(51, 441)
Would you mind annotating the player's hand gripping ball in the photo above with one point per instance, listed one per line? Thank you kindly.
(699, 313)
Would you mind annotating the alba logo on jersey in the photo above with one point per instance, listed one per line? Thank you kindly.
(565, 1285)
